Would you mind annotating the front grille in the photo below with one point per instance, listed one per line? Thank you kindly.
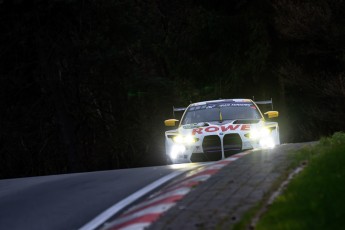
(212, 150)
(232, 144)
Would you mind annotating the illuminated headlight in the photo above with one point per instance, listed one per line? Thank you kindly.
(179, 139)
(259, 133)
(267, 142)
(177, 150)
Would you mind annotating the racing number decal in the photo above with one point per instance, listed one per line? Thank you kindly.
(224, 128)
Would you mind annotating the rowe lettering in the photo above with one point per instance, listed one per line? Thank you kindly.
(223, 128)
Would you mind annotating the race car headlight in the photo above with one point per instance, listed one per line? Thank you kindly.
(259, 133)
(189, 140)
(177, 150)
(178, 139)
(184, 139)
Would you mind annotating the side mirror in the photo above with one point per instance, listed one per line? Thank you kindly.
(170, 122)
(272, 114)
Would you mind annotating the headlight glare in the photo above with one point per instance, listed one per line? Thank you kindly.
(265, 132)
(184, 139)
(178, 139)
(189, 140)
(177, 150)
(267, 142)
(259, 133)
(254, 134)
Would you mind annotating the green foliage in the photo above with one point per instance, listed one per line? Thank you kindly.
(314, 199)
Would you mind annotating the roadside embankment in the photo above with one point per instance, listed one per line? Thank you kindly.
(314, 199)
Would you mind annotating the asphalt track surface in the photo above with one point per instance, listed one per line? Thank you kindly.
(71, 200)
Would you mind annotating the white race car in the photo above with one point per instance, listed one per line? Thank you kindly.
(214, 130)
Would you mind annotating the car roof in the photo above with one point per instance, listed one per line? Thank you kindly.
(221, 100)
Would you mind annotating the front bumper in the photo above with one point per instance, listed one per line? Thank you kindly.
(211, 148)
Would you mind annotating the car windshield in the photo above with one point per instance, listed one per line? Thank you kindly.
(220, 111)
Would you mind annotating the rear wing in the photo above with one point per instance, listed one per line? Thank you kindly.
(267, 102)
(178, 109)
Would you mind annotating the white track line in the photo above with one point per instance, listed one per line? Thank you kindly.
(113, 210)
(210, 169)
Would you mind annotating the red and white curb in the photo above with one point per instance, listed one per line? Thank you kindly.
(142, 215)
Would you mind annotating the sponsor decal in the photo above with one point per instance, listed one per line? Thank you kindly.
(211, 129)
(196, 107)
(241, 104)
(222, 128)
(190, 126)
(211, 106)
(235, 104)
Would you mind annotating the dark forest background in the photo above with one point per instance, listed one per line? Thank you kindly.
(86, 85)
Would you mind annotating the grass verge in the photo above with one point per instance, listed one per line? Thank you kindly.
(314, 199)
